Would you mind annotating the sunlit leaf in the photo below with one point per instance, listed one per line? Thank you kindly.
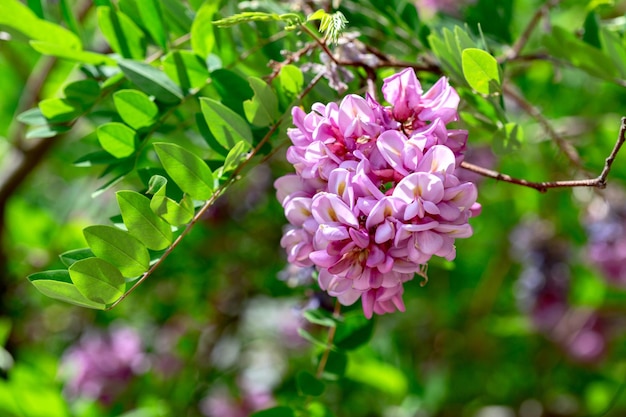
(117, 139)
(289, 84)
(150, 12)
(59, 110)
(119, 248)
(142, 222)
(122, 33)
(14, 14)
(58, 285)
(202, 37)
(97, 280)
(235, 156)
(69, 257)
(169, 210)
(227, 127)
(66, 52)
(481, 71)
(262, 109)
(186, 69)
(135, 108)
(190, 173)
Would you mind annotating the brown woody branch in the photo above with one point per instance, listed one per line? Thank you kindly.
(598, 182)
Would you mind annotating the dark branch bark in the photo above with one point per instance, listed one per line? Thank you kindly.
(598, 182)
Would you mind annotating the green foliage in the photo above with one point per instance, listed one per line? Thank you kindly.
(58, 284)
(309, 385)
(226, 126)
(97, 280)
(168, 105)
(119, 248)
(151, 81)
(189, 172)
(117, 139)
(481, 71)
(142, 222)
(262, 108)
(136, 109)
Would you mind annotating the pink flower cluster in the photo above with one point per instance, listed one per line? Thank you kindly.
(375, 194)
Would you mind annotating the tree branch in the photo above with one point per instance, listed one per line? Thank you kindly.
(514, 52)
(568, 150)
(598, 182)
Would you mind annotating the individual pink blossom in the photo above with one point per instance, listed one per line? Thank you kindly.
(375, 194)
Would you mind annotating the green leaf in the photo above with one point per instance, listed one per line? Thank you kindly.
(58, 285)
(69, 257)
(309, 385)
(5, 330)
(97, 280)
(58, 110)
(232, 88)
(122, 33)
(613, 46)
(95, 158)
(262, 109)
(289, 84)
(336, 365)
(565, 45)
(188, 171)
(150, 13)
(592, 29)
(151, 81)
(280, 411)
(380, 375)
(85, 92)
(354, 331)
(309, 337)
(32, 117)
(169, 210)
(66, 52)
(68, 16)
(119, 248)
(508, 139)
(47, 131)
(481, 71)
(135, 108)
(227, 127)
(117, 139)
(17, 16)
(202, 37)
(319, 317)
(142, 222)
(238, 153)
(186, 69)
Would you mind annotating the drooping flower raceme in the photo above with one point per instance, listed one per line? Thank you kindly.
(375, 194)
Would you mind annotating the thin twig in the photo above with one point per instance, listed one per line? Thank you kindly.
(218, 193)
(598, 182)
(525, 36)
(329, 343)
(568, 150)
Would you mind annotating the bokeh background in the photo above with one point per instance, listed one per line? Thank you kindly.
(528, 321)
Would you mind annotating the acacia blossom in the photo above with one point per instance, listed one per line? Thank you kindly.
(375, 194)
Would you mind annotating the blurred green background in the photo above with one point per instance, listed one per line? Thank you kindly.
(214, 330)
